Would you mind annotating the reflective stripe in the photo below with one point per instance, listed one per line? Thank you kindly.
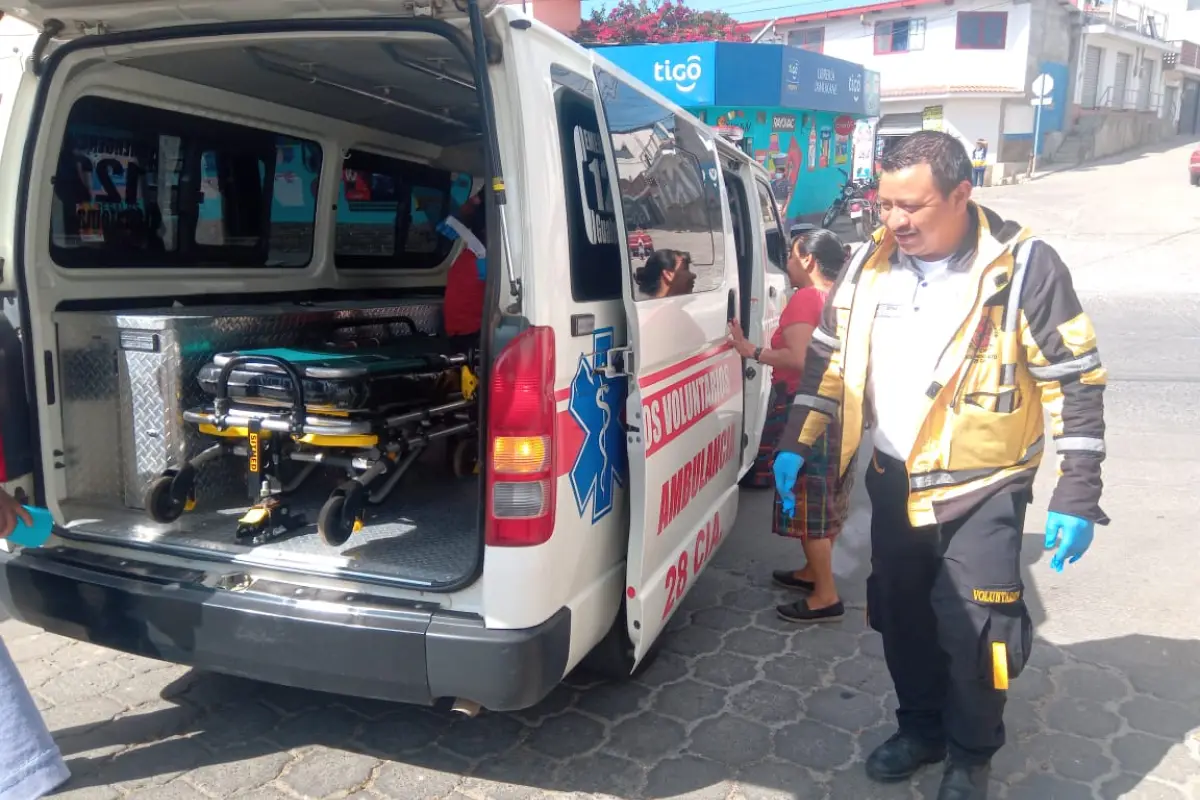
(1008, 374)
(1020, 262)
(822, 404)
(1065, 369)
(832, 342)
(1006, 402)
(1082, 444)
(941, 478)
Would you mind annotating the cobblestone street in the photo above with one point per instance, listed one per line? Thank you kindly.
(740, 705)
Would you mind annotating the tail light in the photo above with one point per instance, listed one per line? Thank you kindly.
(856, 206)
(521, 422)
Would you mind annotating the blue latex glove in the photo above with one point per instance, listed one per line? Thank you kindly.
(447, 231)
(787, 470)
(1075, 535)
(481, 267)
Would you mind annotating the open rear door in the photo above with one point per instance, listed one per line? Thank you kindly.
(684, 414)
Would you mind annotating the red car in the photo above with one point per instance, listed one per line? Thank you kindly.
(1194, 167)
(640, 244)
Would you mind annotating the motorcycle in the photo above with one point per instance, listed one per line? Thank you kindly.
(864, 209)
(858, 198)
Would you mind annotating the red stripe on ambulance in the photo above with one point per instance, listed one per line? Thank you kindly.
(692, 477)
(672, 411)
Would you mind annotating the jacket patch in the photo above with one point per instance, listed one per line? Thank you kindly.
(996, 596)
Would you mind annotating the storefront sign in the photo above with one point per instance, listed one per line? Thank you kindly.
(684, 73)
(931, 118)
(783, 123)
(811, 80)
(843, 125)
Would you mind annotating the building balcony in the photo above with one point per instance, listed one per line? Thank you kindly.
(1126, 19)
(1186, 60)
(1114, 98)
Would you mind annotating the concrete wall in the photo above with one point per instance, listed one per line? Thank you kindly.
(1115, 132)
(939, 62)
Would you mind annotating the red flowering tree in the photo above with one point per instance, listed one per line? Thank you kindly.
(642, 23)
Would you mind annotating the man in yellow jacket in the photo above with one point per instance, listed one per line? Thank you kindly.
(947, 334)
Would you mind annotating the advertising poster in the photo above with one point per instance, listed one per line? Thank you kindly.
(826, 145)
(841, 149)
(864, 149)
(812, 148)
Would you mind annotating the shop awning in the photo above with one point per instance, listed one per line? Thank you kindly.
(899, 124)
(736, 74)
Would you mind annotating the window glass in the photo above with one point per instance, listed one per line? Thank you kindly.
(591, 218)
(776, 244)
(812, 39)
(900, 36)
(982, 30)
(670, 196)
(383, 201)
(120, 191)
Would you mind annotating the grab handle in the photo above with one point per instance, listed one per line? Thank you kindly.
(221, 403)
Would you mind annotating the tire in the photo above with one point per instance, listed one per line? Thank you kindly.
(829, 217)
(162, 502)
(463, 458)
(861, 230)
(1196, 180)
(341, 515)
(612, 657)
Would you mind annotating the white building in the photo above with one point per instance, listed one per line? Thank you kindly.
(968, 67)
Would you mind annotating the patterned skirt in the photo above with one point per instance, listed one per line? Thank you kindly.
(822, 497)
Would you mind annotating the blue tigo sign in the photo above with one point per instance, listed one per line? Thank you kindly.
(814, 81)
(684, 73)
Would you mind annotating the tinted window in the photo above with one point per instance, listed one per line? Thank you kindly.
(775, 243)
(383, 201)
(667, 175)
(591, 218)
(140, 186)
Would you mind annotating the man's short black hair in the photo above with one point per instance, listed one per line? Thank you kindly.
(945, 155)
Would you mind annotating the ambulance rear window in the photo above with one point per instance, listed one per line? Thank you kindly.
(138, 186)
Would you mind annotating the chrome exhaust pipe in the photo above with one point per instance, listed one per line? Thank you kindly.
(468, 708)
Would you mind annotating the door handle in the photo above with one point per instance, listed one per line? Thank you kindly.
(771, 291)
(751, 373)
(731, 308)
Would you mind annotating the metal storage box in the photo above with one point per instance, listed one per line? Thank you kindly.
(127, 377)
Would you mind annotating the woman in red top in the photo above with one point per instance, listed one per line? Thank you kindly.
(822, 497)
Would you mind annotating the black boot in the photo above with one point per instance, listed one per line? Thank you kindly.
(901, 756)
(965, 782)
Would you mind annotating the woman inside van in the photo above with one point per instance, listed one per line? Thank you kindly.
(666, 273)
(822, 499)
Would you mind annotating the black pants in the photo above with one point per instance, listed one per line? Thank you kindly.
(948, 599)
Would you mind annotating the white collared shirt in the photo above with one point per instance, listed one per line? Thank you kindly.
(920, 310)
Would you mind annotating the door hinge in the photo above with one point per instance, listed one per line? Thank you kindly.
(620, 362)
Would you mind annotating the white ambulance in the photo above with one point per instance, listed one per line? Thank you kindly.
(183, 179)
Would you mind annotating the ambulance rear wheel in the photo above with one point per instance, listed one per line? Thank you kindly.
(464, 458)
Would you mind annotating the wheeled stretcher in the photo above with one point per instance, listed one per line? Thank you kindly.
(370, 411)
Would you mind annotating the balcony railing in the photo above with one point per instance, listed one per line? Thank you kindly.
(1127, 15)
(1114, 99)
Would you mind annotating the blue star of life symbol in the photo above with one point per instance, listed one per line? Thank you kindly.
(597, 404)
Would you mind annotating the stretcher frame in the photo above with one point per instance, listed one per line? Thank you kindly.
(367, 446)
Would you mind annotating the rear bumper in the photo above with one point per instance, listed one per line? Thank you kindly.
(279, 633)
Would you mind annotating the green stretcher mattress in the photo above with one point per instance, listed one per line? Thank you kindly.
(411, 372)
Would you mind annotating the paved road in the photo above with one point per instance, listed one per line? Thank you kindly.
(741, 706)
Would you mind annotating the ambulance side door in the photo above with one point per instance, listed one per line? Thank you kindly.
(684, 413)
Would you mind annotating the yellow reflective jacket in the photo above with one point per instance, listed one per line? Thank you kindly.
(1024, 343)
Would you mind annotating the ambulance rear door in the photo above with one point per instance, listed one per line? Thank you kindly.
(684, 415)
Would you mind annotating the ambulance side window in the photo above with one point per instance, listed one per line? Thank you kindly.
(591, 218)
(669, 189)
(776, 242)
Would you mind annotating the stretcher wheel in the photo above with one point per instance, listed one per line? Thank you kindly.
(169, 495)
(464, 459)
(342, 514)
